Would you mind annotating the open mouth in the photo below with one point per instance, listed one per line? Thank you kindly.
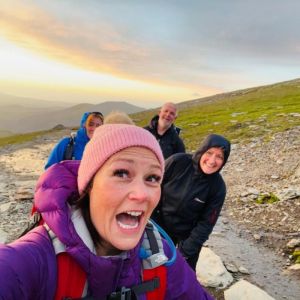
(129, 219)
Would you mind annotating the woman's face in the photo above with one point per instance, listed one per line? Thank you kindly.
(212, 160)
(123, 195)
(91, 124)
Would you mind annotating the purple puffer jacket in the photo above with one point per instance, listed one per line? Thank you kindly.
(28, 266)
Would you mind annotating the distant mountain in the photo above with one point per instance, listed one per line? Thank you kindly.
(8, 100)
(20, 119)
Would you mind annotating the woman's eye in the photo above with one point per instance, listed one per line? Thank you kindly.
(121, 173)
(154, 178)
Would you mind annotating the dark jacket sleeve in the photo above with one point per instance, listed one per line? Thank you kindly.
(169, 169)
(180, 146)
(170, 164)
(57, 154)
(206, 222)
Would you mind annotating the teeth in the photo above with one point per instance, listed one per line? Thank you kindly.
(134, 213)
(126, 226)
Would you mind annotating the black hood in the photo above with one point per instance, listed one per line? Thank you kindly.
(212, 140)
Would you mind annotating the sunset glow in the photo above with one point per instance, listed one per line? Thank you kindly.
(24, 71)
(117, 52)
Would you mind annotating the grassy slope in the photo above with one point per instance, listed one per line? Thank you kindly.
(239, 115)
(21, 138)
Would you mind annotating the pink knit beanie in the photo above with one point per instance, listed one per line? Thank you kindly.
(109, 139)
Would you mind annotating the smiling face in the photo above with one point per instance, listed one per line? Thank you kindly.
(123, 195)
(92, 123)
(212, 160)
(167, 115)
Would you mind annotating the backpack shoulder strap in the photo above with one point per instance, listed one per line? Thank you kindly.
(71, 278)
(151, 250)
(154, 259)
(69, 152)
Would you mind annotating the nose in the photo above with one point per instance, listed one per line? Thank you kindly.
(139, 191)
(212, 159)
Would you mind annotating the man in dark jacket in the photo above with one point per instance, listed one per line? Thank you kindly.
(193, 193)
(162, 127)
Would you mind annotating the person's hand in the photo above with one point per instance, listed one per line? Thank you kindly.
(190, 259)
(181, 250)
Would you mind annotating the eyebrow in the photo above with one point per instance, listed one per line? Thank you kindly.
(131, 161)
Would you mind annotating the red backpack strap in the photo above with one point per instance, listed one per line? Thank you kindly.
(160, 273)
(71, 278)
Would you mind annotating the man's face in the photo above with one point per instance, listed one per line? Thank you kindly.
(167, 115)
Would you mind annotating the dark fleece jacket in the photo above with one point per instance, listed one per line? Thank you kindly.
(170, 142)
(191, 200)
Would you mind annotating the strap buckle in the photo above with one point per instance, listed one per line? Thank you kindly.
(123, 294)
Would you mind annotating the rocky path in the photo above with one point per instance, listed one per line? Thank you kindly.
(251, 238)
(21, 166)
(250, 260)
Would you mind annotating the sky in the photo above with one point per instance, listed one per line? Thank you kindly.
(145, 52)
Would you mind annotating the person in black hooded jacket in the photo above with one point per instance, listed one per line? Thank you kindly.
(193, 193)
(166, 133)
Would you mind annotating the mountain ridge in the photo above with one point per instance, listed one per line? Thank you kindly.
(17, 119)
(20, 119)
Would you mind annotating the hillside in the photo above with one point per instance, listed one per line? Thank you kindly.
(239, 115)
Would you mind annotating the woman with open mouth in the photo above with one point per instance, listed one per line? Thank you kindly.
(97, 241)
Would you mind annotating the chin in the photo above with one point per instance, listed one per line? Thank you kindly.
(127, 245)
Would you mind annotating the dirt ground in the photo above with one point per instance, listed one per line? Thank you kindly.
(263, 169)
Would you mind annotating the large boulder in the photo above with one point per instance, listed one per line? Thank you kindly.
(211, 271)
(246, 291)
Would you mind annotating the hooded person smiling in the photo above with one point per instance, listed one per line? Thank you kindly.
(73, 147)
(193, 193)
(98, 217)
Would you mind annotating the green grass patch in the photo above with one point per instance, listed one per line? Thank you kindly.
(267, 199)
(240, 116)
(21, 138)
(296, 256)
